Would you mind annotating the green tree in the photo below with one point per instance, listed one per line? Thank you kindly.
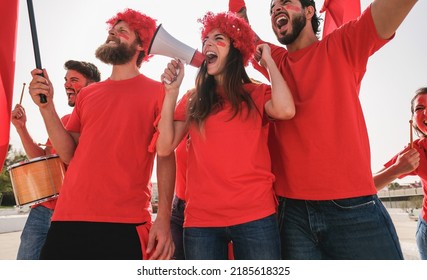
(394, 186)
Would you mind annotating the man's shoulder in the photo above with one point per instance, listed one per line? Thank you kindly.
(149, 81)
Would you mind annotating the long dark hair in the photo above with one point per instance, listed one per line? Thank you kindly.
(205, 100)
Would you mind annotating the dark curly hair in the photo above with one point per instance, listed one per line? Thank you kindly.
(87, 69)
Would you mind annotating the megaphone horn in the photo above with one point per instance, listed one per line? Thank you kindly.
(164, 44)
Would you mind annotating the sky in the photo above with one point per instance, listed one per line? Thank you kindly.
(74, 29)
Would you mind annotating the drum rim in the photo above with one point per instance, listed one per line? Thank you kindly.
(27, 161)
(40, 200)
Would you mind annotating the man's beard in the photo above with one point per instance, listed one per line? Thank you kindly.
(298, 24)
(116, 54)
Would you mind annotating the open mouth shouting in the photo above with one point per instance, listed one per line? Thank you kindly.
(211, 57)
(70, 92)
(281, 21)
(113, 40)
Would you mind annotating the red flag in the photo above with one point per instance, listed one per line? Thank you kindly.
(9, 22)
(236, 5)
(338, 12)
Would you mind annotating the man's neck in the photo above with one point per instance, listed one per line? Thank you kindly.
(302, 42)
(124, 72)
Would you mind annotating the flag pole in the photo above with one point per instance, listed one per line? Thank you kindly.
(35, 42)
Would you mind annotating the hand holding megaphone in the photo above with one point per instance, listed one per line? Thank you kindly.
(164, 44)
(174, 73)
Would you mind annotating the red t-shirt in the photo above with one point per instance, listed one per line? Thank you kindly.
(323, 153)
(421, 171)
(229, 179)
(107, 179)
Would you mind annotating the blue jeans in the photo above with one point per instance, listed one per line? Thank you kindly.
(256, 240)
(177, 221)
(34, 233)
(421, 237)
(348, 229)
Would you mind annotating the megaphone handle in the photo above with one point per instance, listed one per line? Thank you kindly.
(177, 73)
(167, 81)
(173, 80)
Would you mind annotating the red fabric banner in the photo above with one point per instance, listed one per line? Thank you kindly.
(338, 12)
(9, 22)
(236, 5)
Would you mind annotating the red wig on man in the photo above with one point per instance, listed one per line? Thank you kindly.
(143, 25)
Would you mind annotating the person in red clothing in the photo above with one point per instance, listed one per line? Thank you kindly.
(229, 194)
(79, 75)
(178, 205)
(412, 161)
(104, 210)
(321, 158)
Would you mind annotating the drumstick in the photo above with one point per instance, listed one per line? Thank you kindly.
(411, 144)
(22, 94)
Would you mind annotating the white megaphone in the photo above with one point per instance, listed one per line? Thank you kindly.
(164, 44)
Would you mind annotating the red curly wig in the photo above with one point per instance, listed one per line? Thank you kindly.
(142, 24)
(236, 28)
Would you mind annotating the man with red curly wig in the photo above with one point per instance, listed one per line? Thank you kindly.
(103, 211)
